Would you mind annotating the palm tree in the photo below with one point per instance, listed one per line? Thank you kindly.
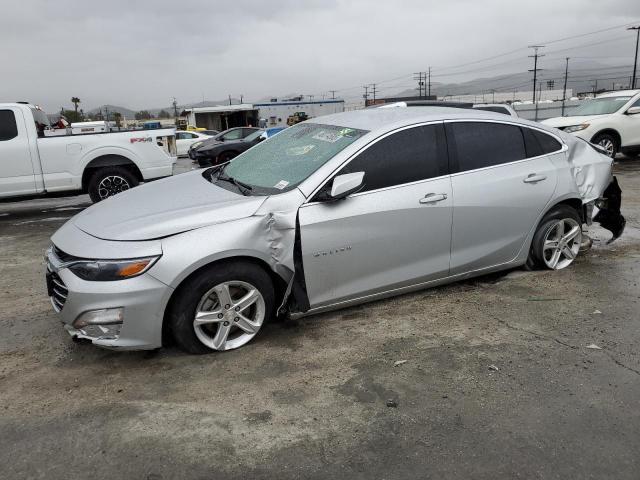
(75, 101)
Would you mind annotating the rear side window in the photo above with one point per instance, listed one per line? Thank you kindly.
(539, 143)
(417, 153)
(484, 144)
(8, 125)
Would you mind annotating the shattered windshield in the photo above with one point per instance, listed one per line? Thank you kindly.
(600, 106)
(285, 160)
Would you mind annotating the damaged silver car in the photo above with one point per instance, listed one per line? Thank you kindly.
(336, 211)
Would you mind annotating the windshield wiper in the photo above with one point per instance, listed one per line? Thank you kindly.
(243, 187)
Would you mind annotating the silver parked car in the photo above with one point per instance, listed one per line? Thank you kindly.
(332, 212)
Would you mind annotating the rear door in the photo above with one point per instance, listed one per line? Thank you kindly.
(394, 233)
(502, 179)
(16, 169)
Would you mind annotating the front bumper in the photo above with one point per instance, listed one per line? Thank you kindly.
(141, 298)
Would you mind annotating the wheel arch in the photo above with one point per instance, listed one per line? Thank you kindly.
(608, 131)
(109, 160)
(279, 284)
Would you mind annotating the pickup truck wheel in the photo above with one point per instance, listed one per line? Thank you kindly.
(110, 181)
(557, 240)
(221, 308)
(608, 142)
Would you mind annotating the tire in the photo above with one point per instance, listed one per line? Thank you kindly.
(109, 181)
(225, 157)
(556, 242)
(222, 328)
(608, 142)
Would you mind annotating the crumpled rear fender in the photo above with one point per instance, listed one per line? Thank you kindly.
(609, 215)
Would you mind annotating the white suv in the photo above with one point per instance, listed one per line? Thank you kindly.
(611, 120)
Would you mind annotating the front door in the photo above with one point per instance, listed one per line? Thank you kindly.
(394, 233)
(16, 170)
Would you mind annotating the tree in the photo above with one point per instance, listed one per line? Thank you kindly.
(164, 114)
(75, 101)
(72, 116)
(117, 116)
(143, 115)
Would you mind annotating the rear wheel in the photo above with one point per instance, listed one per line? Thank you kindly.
(609, 142)
(557, 240)
(222, 307)
(226, 156)
(110, 181)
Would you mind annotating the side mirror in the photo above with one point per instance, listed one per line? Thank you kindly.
(633, 111)
(345, 185)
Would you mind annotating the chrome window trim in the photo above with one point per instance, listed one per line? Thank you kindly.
(363, 149)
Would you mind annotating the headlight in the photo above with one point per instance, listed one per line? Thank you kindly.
(110, 270)
(196, 145)
(576, 128)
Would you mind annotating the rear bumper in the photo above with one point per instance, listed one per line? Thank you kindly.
(153, 173)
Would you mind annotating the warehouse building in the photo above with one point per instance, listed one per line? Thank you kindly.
(267, 114)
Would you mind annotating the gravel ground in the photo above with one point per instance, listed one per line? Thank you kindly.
(490, 378)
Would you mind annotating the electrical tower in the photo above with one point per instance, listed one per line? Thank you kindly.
(535, 69)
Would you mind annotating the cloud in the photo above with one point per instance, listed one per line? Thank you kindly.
(142, 53)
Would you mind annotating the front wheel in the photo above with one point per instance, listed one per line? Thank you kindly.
(221, 308)
(608, 142)
(110, 181)
(557, 240)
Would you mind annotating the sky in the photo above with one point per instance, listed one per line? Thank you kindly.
(142, 53)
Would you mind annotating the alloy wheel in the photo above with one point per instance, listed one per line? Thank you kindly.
(561, 243)
(112, 185)
(229, 315)
(608, 145)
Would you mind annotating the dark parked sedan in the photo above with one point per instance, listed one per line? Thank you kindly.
(232, 134)
(213, 153)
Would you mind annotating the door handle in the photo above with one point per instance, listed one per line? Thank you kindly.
(534, 178)
(433, 197)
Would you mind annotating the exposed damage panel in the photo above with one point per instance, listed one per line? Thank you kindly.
(591, 172)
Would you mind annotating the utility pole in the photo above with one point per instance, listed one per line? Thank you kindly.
(635, 61)
(429, 83)
(373, 91)
(241, 97)
(420, 80)
(366, 95)
(595, 87)
(535, 66)
(175, 108)
(564, 89)
(333, 94)
(229, 99)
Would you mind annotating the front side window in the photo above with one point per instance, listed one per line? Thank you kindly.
(8, 125)
(233, 134)
(287, 159)
(600, 106)
(407, 156)
(484, 144)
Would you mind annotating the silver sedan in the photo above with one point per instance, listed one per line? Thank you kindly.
(336, 211)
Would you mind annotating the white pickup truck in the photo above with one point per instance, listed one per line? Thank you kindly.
(101, 164)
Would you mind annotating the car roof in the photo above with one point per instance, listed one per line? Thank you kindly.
(619, 93)
(389, 118)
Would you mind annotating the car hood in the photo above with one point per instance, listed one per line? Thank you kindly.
(211, 146)
(558, 122)
(165, 207)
